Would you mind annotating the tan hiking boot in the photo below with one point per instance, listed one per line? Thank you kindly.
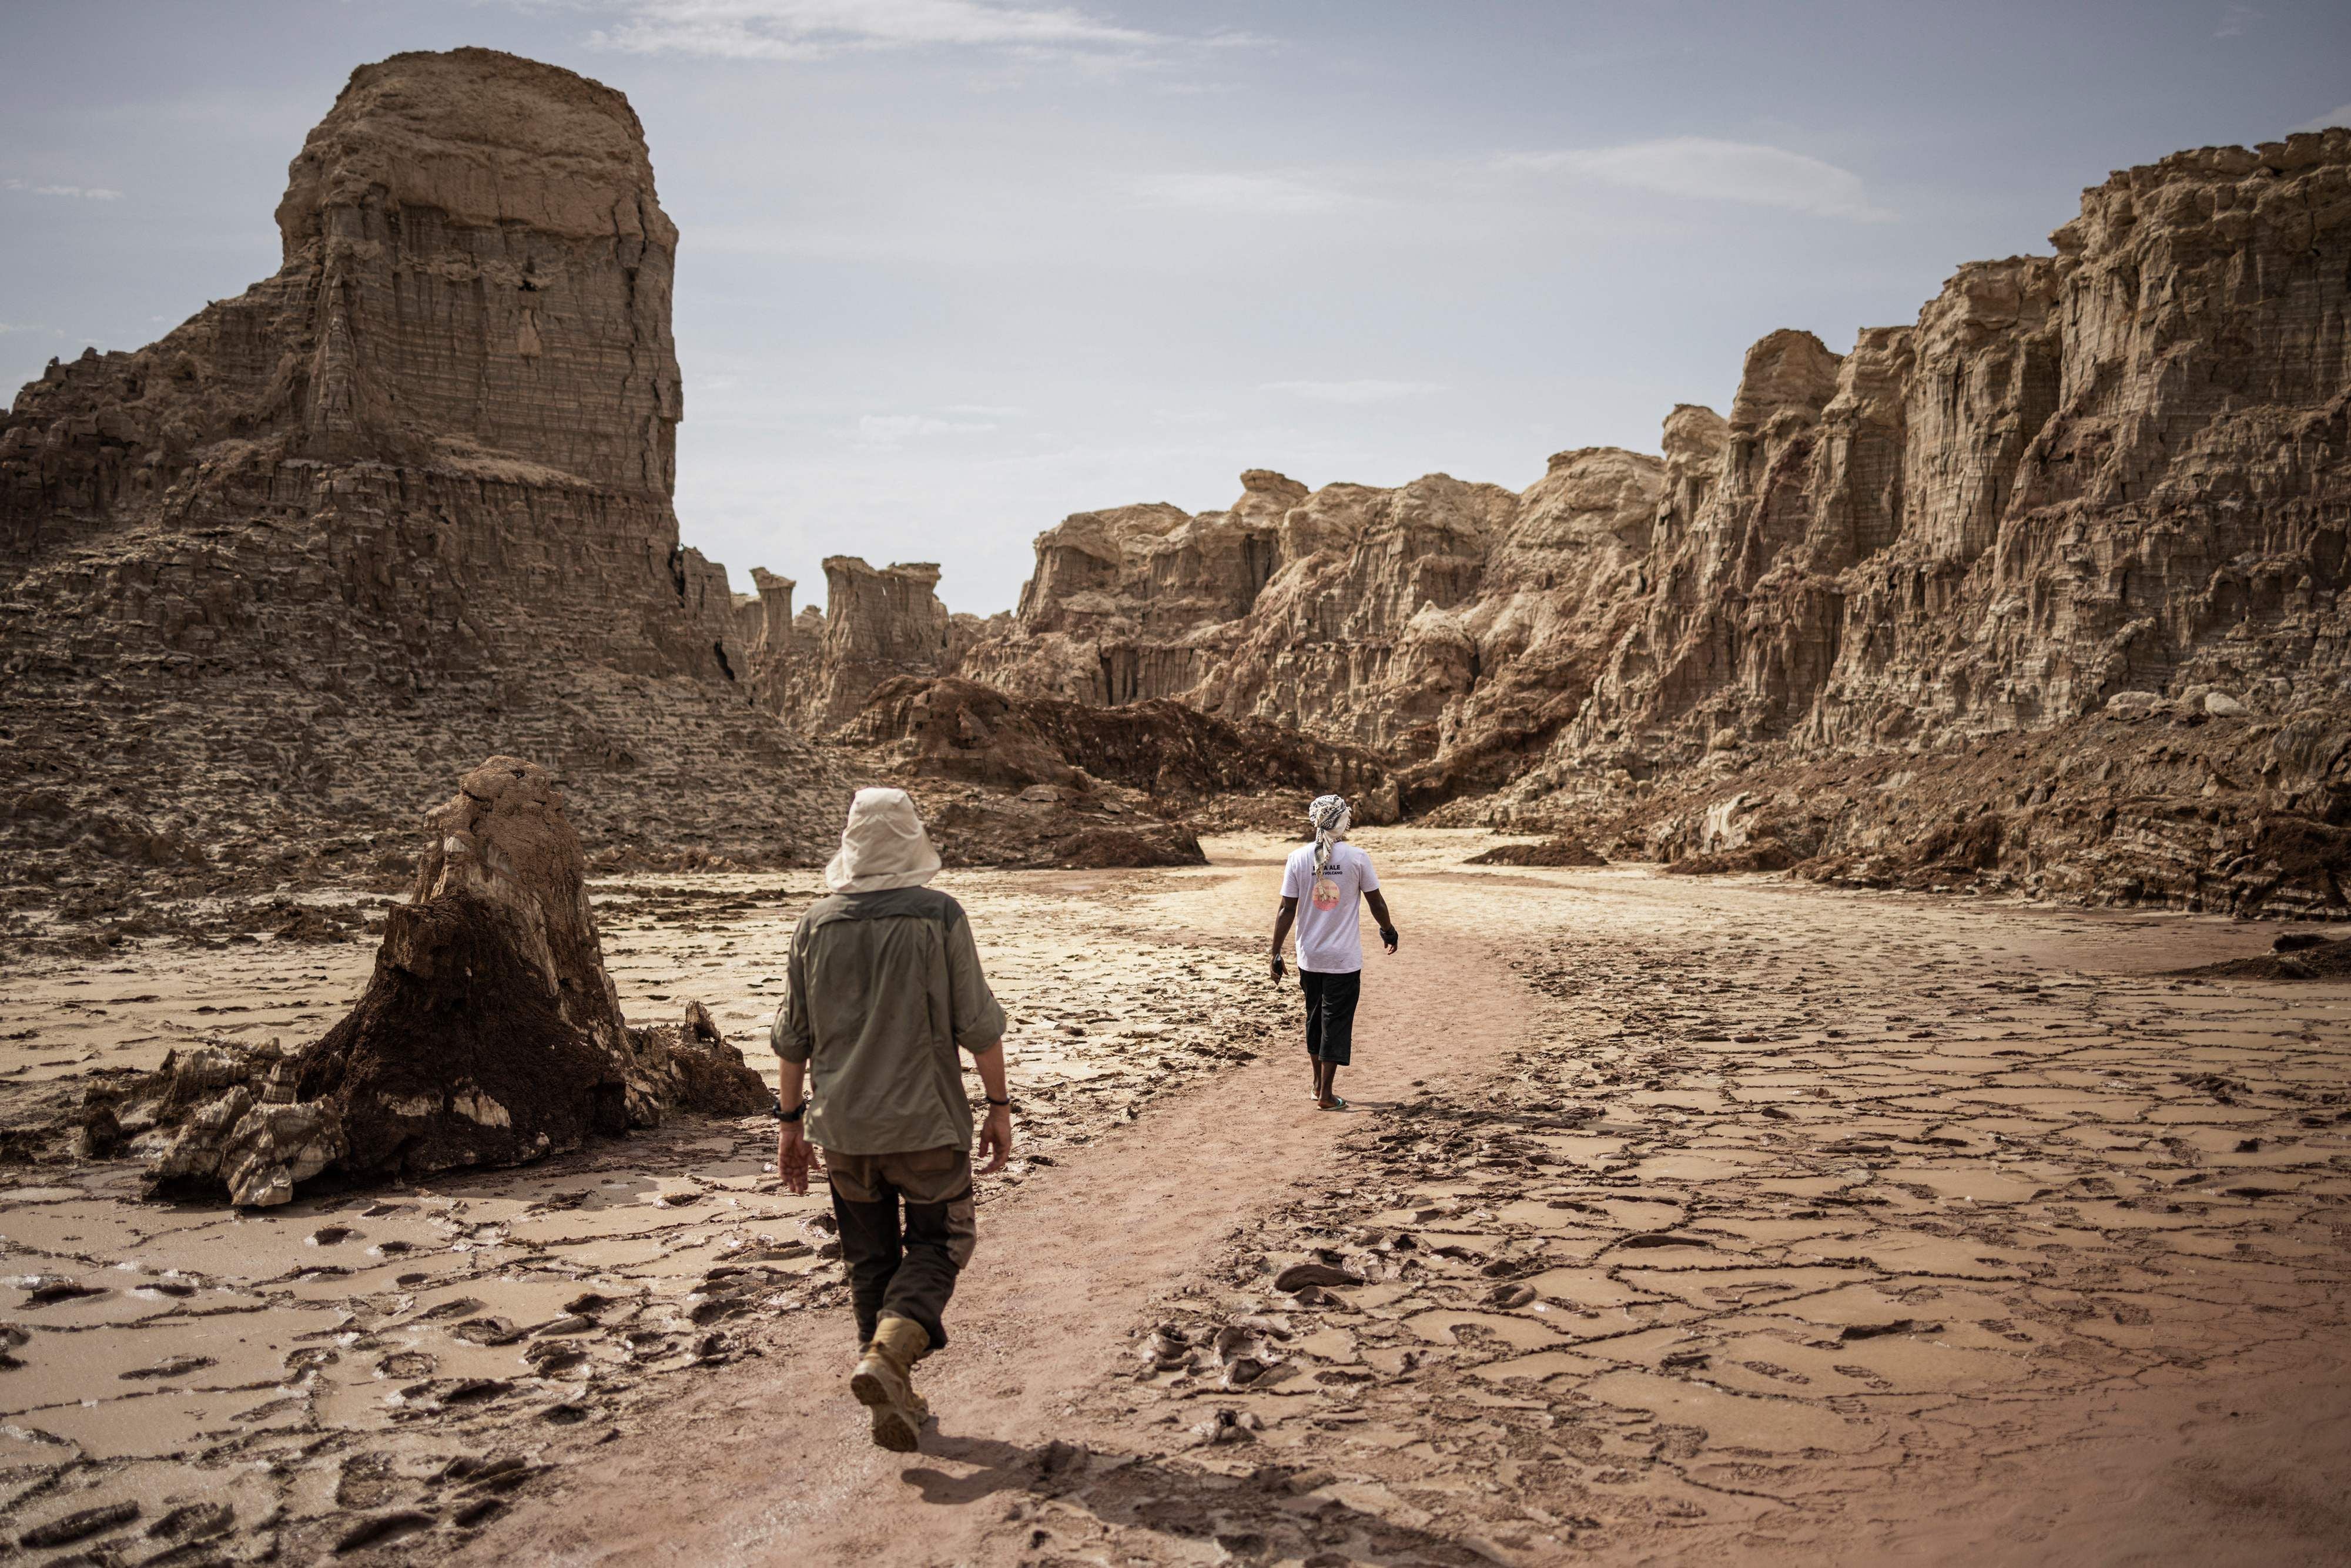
(884, 1384)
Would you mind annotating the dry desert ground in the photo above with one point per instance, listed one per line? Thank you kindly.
(1676, 1219)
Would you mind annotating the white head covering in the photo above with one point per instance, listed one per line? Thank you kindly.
(1329, 816)
(884, 846)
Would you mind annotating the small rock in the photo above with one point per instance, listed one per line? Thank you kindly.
(192, 1522)
(1224, 1427)
(548, 1357)
(47, 1292)
(487, 1331)
(1852, 1332)
(177, 1366)
(379, 1527)
(79, 1526)
(1298, 1275)
(473, 1391)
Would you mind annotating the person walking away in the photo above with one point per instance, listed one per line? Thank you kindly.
(885, 988)
(1329, 874)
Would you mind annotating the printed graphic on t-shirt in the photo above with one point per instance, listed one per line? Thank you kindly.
(1326, 894)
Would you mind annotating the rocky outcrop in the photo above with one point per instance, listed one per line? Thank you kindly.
(1138, 603)
(957, 729)
(878, 624)
(489, 1034)
(403, 504)
(477, 282)
(1438, 619)
(2114, 472)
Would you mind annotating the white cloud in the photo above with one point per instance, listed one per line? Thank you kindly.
(1275, 195)
(1704, 169)
(886, 432)
(1353, 391)
(25, 327)
(820, 29)
(2234, 20)
(2331, 116)
(83, 193)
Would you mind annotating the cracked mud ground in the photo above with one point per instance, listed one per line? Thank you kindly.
(1676, 1220)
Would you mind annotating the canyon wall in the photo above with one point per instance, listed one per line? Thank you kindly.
(2114, 476)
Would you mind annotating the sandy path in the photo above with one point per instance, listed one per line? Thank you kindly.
(773, 1460)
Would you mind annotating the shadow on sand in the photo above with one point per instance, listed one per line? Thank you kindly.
(1267, 1515)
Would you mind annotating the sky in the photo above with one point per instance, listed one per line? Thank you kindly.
(952, 269)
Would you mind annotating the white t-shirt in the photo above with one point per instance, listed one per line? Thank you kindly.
(1330, 931)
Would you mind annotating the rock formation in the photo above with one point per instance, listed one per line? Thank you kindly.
(951, 728)
(401, 505)
(2108, 478)
(877, 625)
(406, 503)
(489, 1034)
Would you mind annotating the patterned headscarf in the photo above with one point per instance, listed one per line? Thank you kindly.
(1329, 814)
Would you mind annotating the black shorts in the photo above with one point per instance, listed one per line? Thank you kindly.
(1331, 1014)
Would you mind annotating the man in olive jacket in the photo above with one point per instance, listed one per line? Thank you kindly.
(885, 989)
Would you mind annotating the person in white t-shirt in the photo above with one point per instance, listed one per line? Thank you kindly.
(1328, 875)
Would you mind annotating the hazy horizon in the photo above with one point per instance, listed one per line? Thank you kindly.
(951, 270)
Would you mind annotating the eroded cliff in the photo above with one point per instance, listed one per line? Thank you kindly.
(403, 504)
(2113, 478)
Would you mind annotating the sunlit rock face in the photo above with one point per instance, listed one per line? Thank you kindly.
(2116, 469)
(401, 505)
(489, 266)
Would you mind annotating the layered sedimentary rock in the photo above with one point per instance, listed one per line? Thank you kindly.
(404, 503)
(2116, 472)
(878, 625)
(952, 729)
(488, 1035)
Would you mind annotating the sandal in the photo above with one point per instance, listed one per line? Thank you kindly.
(1336, 1104)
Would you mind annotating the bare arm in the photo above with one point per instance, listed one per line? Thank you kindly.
(1379, 913)
(794, 1153)
(1282, 923)
(793, 1039)
(996, 1128)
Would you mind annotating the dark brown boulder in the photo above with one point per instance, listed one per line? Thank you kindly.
(1551, 851)
(458, 1054)
(488, 1035)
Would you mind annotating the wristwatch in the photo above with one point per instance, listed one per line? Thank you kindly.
(1006, 1103)
(794, 1114)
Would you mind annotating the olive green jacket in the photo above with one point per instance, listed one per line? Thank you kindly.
(884, 987)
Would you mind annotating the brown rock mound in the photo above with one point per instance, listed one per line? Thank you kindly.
(1555, 851)
(1042, 828)
(489, 1034)
(959, 729)
(2300, 955)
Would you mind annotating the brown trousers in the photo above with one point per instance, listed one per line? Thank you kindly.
(904, 1265)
